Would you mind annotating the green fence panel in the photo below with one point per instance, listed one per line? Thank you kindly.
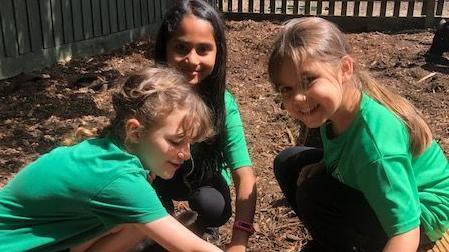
(2, 45)
(151, 11)
(157, 10)
(77, 15)
(47, 23)
(9, 27)
(121, 15)
(23, 34)
(67, 21)
(144, 7)
(106, 28)
(137, 15)
(96, 14)
(129, 14)
(35, 25)
(57, 21)
(88, 22)
(113, 15)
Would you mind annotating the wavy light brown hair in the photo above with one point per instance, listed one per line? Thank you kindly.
(315, 38)
(153, 94)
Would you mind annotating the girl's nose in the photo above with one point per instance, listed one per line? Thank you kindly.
(300, 97)
(192, 58)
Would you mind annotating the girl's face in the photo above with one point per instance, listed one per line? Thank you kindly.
(163, 148)
(192, 49)
(316, 95)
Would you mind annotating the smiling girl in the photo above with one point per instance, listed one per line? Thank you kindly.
(95, 195)
(380, 183)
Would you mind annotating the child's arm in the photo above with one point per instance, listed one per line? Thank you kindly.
(173, 236)
(405, 242)
(246, 193)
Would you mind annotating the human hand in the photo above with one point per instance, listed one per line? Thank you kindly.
(309, 171)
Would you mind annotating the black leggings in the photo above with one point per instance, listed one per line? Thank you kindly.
(338, 216)
(212, 202)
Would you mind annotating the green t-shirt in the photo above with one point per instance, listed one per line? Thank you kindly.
(235, 150)
(373, 156)
(73, 194)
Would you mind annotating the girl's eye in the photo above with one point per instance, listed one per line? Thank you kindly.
(307, 80)
(284, 90)
(203, 49)
(175, 142)
(181, 49)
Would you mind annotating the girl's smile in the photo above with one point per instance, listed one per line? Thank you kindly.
(192, 49)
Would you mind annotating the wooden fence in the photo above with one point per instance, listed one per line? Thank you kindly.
(355, 15)
(37, 33)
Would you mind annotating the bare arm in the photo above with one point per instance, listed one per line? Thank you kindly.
(173, 236)
(246, 195)
(406, 242)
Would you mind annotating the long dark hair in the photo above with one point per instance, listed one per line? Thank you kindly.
(207, 156)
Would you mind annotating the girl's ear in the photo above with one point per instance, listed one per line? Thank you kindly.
(133, 130)
(347, 68)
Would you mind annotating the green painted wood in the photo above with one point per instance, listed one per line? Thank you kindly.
(319, 7)
(356, 7)
(307, 7)
(34, 22)
(157, 9)
(164, 8)
(121, 15)
(137, 13)
(410, 8)
(105, 25)
(23, 33)
(58, 30)
(9, 28)
(396, 8)
(369, 8)
(47, 23)
(344, 7)
(88, 22)
(145, 14)
(440, 4)
(129, 14)
(67, 20)
(96, 15)
(2, 45)
(77, 14)
(383, 8)
(151, 15)
(113, 15)
(331, 7)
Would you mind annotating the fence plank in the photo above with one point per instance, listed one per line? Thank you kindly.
(272, 6)
(47, 23)
(369, 8)
(105, 25)
(284, 6)
(96, 10)
(58, 31)
(240, 5)
(307, 7)
(67, 21)
(23, 34)
(137, 14)
(261, 6)
(251, 6)
(220, 5)
(9, 30)
(429, 12)
(151, 15)
(331, 7)
(295, 6)
(2, 45)
(129, 14)
(383, 8)
(356, 8)
(87, 19)
(121, 14)
(163, 8)
(34, 20)
(158, 11)
(396, 8)
(344, 7)
(319, 7)
(440, 4)
(229, 5)
(77, 15)
(144, 7)
(113, 15)
(410, 8)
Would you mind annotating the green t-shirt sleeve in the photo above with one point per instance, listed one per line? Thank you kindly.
(235, 150)
(389, 187)
(128, 199)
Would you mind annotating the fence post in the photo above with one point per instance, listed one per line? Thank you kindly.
(429, 12)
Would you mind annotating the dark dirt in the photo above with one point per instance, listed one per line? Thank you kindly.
(40, 110)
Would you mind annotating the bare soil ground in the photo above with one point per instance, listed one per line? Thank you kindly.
(39, 110)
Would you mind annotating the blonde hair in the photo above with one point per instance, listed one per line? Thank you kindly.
(308, 38)
(149, 97)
